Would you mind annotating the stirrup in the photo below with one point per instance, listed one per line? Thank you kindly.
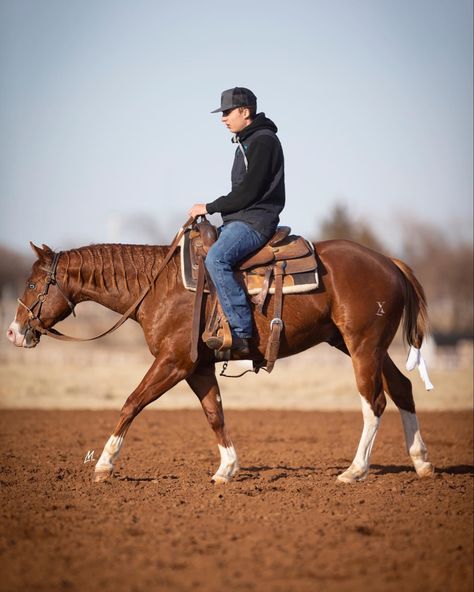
(216, 342)
(220, 339)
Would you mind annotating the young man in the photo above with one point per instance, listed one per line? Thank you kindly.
(250, 212)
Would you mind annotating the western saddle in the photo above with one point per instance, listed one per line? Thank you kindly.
(286, 261)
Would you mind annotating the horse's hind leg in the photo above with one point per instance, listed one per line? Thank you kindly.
(162, 375)
(204, 384)
(368, 372)
(399, 388)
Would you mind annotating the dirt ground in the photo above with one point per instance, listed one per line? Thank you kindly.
(284, 524)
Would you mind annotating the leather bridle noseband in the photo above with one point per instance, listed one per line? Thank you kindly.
(51, 279)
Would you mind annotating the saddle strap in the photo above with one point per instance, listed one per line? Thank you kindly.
(224, 331)
(212, 319)
(217, 324)
(259, 299)
(197, 311)
(276, 324)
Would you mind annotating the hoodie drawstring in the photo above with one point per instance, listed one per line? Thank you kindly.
(236, 140)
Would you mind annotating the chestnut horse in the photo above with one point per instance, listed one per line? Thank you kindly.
(357, 309)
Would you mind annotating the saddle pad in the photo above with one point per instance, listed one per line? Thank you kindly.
(293, 283)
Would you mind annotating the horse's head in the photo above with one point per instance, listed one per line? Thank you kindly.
(43, 303)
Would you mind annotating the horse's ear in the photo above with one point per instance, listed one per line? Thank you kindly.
(37, 250)
(41, 253)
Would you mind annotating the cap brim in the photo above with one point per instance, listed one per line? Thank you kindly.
(217, 110)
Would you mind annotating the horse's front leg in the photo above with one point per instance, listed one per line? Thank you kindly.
(204, 384)
(162, 375)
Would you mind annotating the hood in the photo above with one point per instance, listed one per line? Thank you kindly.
(260, 122)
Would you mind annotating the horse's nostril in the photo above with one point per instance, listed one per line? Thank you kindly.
(11, 335)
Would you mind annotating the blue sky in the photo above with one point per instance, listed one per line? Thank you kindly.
(106, 131)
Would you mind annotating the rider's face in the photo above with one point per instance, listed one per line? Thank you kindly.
(236, 119)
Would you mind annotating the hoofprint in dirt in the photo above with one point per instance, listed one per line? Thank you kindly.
(282, 524)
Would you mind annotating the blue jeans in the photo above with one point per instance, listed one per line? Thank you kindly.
(236, 241)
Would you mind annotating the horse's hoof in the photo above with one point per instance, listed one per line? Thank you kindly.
(425, 471)
(352, 475)
(219, 480)
(102, 475)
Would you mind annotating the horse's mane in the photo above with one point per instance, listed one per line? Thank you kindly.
(112, 266)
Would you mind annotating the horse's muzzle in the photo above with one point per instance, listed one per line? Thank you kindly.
(27, 338)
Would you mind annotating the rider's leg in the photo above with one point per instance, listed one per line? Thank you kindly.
(235, 242)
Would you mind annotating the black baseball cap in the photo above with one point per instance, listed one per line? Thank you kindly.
(236, 97)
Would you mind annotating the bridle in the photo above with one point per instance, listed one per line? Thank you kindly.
(51, 280)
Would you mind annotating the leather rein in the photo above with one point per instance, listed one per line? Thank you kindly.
(51, 279)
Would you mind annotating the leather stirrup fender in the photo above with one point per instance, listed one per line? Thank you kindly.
(197, 310)
(276, 324)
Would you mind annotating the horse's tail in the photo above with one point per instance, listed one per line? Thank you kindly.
(415, 314)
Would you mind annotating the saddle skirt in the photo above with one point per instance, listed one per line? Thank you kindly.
(292, 253)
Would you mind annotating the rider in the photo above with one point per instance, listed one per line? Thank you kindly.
(250, 212)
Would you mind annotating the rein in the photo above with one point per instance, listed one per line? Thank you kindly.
(51, 279)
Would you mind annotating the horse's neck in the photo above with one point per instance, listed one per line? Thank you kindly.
(112, 275)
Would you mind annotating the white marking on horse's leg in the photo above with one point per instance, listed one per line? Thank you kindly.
(415, 446)
(360, 465)
(105, 464)
(229, 464)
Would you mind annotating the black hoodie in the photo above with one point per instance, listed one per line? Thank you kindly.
(258, 185)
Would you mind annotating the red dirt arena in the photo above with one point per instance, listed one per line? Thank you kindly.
(283, 524)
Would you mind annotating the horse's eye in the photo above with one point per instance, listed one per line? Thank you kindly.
(31, 286)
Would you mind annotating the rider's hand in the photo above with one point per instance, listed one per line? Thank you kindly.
(197, 210)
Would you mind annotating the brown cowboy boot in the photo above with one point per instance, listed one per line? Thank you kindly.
(239, 345)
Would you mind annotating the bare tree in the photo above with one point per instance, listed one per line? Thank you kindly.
(14, 270)
(445, 268)
(342, 225)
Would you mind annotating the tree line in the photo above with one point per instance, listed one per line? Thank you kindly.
(443, 266)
